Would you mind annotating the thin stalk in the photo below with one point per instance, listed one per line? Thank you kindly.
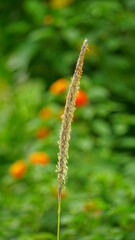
(58, 229)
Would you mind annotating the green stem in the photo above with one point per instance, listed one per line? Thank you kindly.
(58, 229)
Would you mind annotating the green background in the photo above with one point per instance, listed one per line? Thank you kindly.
(40, 43)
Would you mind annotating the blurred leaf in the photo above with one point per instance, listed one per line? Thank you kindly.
(101, 127)
(36, 9)
(21, 58)
(40, 236)
(98, 93)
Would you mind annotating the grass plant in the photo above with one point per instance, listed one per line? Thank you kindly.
(67, 119)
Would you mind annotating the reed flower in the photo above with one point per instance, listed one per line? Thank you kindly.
(67, 120)
(54, 191)
(60, 113)
(66, 127)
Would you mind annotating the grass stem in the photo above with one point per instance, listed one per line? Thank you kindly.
(58, 229)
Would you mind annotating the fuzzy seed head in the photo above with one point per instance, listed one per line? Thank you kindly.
(67, 119)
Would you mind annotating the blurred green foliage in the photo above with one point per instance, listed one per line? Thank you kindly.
(40, 43)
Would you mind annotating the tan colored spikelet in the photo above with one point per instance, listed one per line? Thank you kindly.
(67, 120)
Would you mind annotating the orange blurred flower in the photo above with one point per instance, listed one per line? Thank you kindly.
(39, 158)
(45, 113)
(56, 4)
(18, 169)
(81, 99)
(59, 86)
(64, 194)
(42, 132)
(48, 19)
(90, 206)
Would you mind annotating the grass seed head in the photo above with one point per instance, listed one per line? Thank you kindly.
(67, 120)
